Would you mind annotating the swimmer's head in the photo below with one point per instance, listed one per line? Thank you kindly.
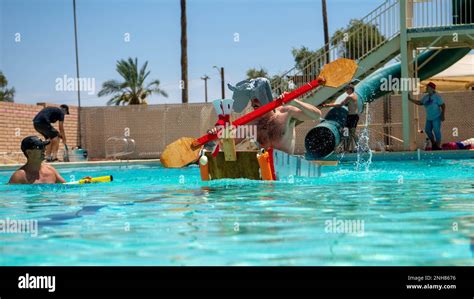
(33, 147)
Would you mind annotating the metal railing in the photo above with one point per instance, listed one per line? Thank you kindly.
(356, 42)
(119, 146)
(439, 13)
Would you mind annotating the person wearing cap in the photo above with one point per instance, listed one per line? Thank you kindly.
(275, 129)
(435, 111)
(35, 171)
(42, 124)
(351, 101)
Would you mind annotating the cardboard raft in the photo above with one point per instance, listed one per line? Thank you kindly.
(246, 165)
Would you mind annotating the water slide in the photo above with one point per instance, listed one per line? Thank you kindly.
(322, 140)
(325, 137)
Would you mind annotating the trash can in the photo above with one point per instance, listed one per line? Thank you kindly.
(78, 155)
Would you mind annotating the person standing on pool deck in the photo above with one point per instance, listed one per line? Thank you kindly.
(42, 124)
(351, 101)
(35, 171)
(435, 111)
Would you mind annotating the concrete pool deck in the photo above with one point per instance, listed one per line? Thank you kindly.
(87, 163)
(406, 156)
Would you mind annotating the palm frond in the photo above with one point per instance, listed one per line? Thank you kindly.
(7, 95)
(3, 80)
(132, 90)
(111, 87)
(154, 87)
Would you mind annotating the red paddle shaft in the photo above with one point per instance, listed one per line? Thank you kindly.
(263, 110)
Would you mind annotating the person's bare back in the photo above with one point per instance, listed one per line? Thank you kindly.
(277, 130)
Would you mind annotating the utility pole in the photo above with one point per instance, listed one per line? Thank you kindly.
(326, 30)
(184, 54)
(221, 71)
(77, 77)
(205, 78)
(222, 83)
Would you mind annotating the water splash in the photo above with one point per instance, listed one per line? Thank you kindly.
(364, 153)
(340, 152)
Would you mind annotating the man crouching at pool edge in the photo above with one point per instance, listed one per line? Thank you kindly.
(35, 171)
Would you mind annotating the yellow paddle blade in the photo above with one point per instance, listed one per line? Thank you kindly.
(100, 179)
(338, 72)
(180, 153)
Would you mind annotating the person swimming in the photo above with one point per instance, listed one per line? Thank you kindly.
(35, 171)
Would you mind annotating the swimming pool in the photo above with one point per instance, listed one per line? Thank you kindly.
(412, 213)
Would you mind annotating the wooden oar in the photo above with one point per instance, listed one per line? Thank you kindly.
(186, 149)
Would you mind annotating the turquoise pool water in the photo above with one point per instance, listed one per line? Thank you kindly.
(413, 213)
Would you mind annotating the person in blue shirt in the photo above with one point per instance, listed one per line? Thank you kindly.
(435, 111)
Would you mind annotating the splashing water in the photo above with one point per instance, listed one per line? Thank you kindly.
(364, 153)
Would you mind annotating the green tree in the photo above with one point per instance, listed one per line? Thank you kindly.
(132, 90)
(305, 58)
(254, 73)
(279, 84)
(357, 39)
(6, 94)
(302, 57)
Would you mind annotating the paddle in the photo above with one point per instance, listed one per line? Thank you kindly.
(186, 149)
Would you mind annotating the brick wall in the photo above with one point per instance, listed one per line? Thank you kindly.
(16, 123)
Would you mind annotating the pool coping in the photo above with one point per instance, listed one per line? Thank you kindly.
(417, 155)
(347, 157)
(88, 163)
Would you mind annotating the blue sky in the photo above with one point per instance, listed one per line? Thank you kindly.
(268, 30)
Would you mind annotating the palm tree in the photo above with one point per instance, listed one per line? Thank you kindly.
(184, 54)
(132, 90)
(326, 30)
(6, 94)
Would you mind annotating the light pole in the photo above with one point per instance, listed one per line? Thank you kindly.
(326, 31)
(184, 53)
(221, 71)
(205, 78)
(77, 77)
